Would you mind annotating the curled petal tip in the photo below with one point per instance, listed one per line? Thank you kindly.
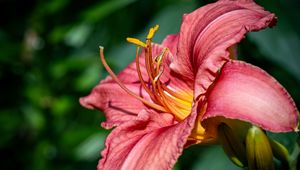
(208, 32)
(85, 103)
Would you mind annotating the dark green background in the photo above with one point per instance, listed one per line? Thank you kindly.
(49, 57)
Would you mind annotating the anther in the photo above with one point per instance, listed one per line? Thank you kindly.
(159, 58)
(152, 31)
(136, 42)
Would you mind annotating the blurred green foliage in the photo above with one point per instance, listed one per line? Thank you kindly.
(49, 58)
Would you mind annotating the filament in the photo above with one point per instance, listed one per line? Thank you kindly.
(114, 77)
(140, 75)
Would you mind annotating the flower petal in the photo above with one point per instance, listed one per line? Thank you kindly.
(207, 33)
(117, 105)
(245, 92)
(151, 141)
(171, 41)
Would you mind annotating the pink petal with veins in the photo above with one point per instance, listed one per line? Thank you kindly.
(117, 105)
(207, 33)
(245, 92)
(171, 41)
(150, 141)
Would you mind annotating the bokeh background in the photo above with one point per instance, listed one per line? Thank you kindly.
(49, 57)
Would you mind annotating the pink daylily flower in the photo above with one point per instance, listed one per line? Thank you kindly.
(163, 101)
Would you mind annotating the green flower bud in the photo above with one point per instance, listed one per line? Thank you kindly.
(259, 151)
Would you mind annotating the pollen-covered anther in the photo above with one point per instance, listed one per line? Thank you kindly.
(152, 32)
(136, 42)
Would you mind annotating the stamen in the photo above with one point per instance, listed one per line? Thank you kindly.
(159, 59)
(136, 42)
(140, 74)
(148, 57)
(170, 105)
(148, 62)
(167, 99)
(157, 93)
(114, 77)
(152, 31)
(156, 78)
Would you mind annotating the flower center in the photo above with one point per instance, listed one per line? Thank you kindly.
(163, 97)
